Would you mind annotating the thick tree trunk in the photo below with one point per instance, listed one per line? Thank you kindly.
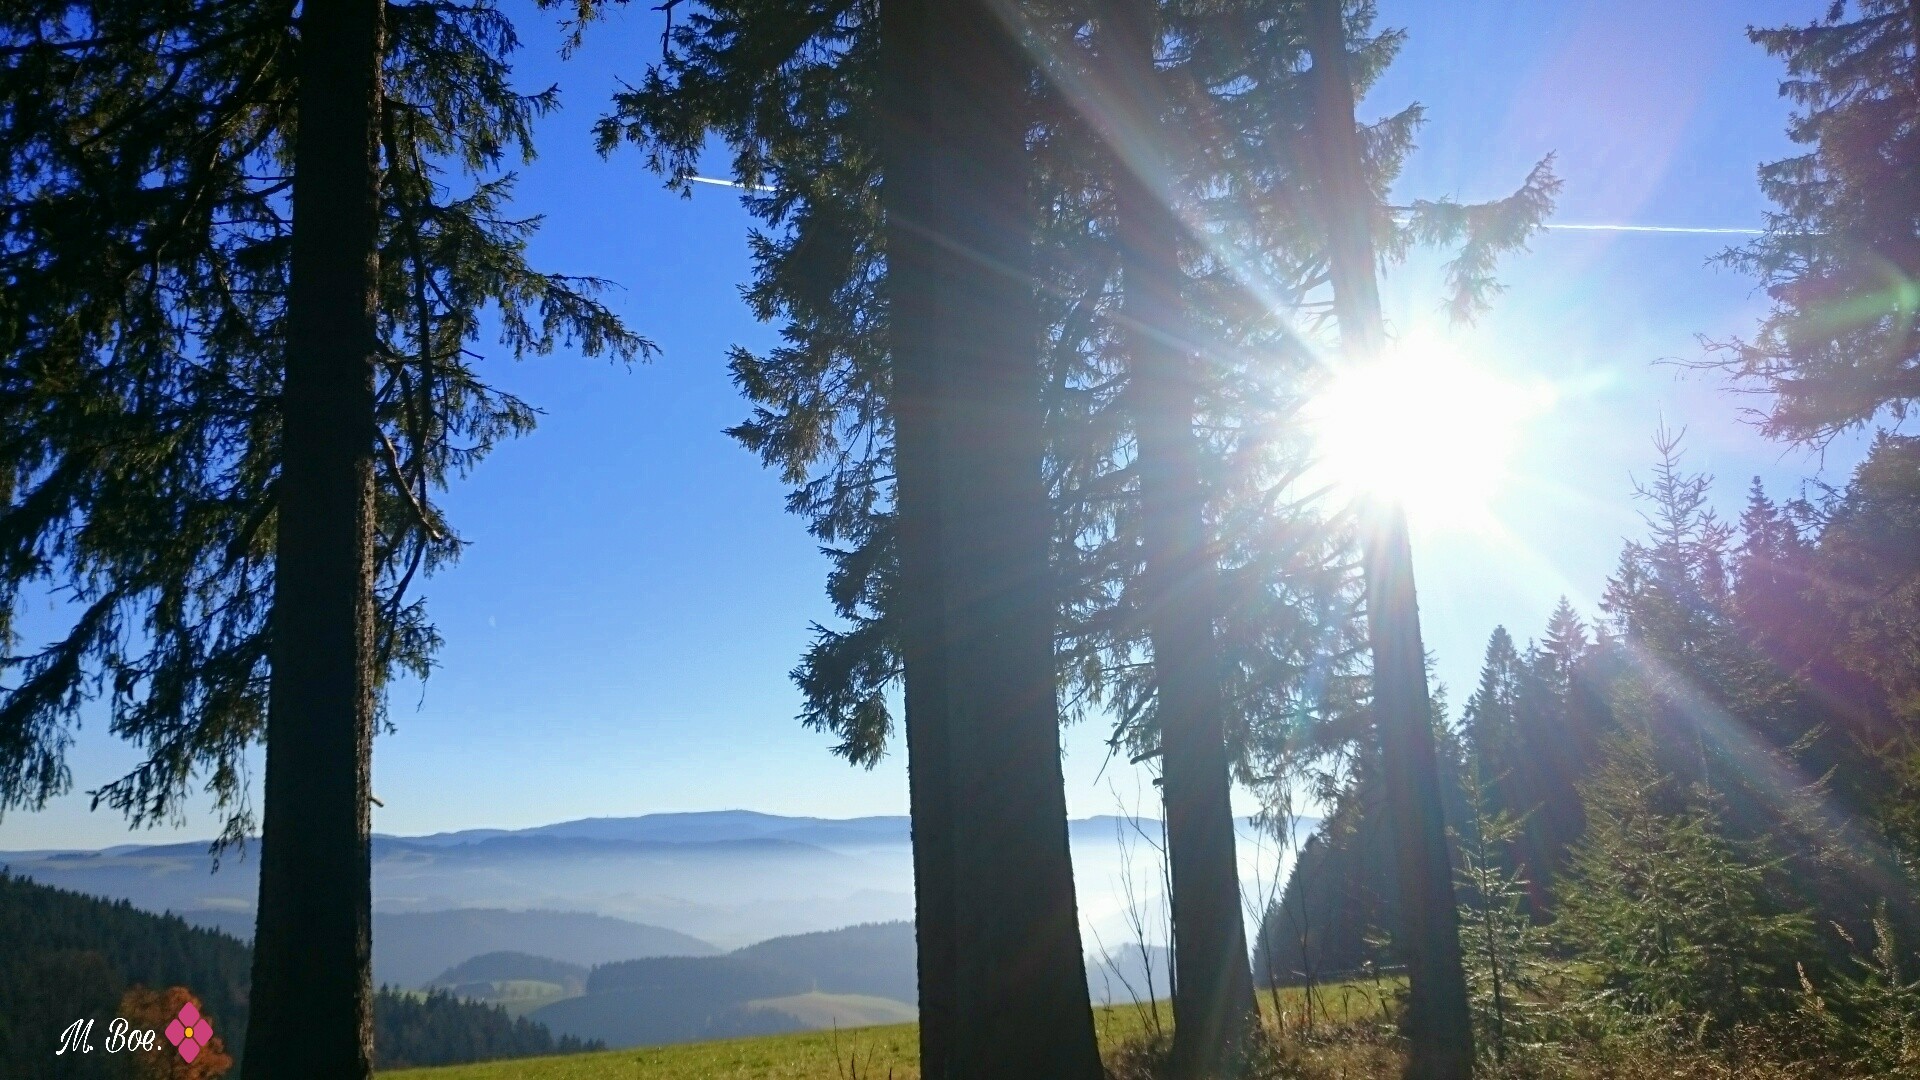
(311, 1000)
(909, 192)
(1213, 1005)
(1439, 1024)
(984, 613)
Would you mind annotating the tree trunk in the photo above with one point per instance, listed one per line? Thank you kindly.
(311, 999)
(908, 189)
(1020, 1002)
(1439, 1024)
(1213, 1004)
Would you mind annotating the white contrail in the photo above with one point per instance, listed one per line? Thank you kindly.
(1695, 230)
(727, 183)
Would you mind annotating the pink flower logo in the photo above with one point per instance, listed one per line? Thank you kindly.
(190, 1032)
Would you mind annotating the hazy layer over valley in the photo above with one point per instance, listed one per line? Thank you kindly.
(696, 883)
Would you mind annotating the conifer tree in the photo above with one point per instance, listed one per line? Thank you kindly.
(1564, 644)
(1841, 256)
(1213, 1005)
(200, 397)
(1863, 583)
(791, 90)
(1666, 918)
(311, 1002)
(1021, 1003)
(140, 360)
(1499, 941)
(1490, 720)
(1438, 1019)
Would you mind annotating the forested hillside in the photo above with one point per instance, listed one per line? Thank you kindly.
(1703, 799)
(69, 957)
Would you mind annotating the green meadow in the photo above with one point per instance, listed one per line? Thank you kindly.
(879, 1053)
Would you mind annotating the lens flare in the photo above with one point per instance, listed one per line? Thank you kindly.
(1424, 425)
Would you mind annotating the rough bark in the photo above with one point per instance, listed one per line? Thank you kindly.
(310, 1011)
(908, 192)
(1020, 1004)
(1438, 1022)
(1213, 1004)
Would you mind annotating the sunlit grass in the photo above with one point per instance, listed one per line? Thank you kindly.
(877, 1052)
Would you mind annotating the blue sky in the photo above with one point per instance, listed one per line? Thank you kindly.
(619, 634)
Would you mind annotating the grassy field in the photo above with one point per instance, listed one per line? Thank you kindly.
(820, 1010)
(868, 1052)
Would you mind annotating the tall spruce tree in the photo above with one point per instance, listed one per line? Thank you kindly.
(1524, 740)
(310, 1009)
(1021, 1006)
(1439, 1022)
(181, 459)
(914, 259)
(146, 273)
(792, 92)
(1841, 256)
(1213, 1006)
(1491, 718)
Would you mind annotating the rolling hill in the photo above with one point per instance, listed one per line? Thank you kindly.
(855, 976)
(66, 956)
(728, 878)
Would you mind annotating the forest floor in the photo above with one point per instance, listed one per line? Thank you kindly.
(872, 1053)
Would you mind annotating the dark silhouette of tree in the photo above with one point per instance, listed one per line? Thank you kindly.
(1841, 256)
(1021, 1006)
(913, 279)
(141, 361)
(1213, 1006)
(311, 1003)
(792, 90)
(1523, 746)
(1439, 1022)
(1863, 581)
(193, 455)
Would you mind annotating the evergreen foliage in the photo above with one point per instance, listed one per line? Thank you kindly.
(1869, 1016)
(436, 1028)
(1841, 256)
(1666, 920)
(790, 91)
(1724, 661)
(1503, 950)
(142, 342)
(70, 956)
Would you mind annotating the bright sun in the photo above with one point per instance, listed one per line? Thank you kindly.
(1426, 426)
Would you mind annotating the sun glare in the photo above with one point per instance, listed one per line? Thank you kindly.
(1425, 425)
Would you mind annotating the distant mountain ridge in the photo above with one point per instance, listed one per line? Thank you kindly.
(713, 826)
(691, 827)
(726, 877)
(410, 949)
